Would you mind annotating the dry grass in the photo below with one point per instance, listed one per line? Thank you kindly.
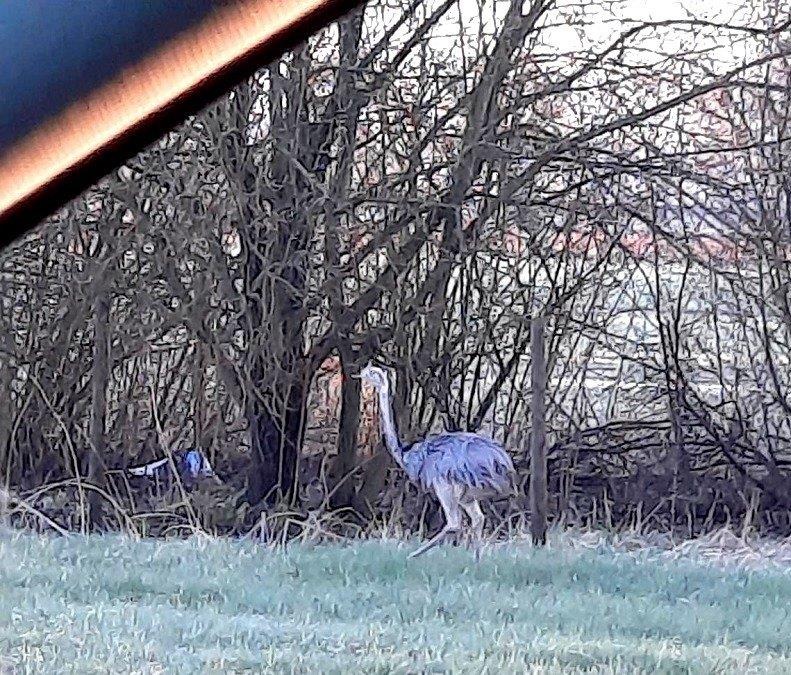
(722, 548)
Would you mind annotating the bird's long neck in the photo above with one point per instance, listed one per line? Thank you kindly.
(389, 430)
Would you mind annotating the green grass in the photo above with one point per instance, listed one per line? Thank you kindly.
(107, 604)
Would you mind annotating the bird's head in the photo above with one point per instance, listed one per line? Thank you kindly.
(375, 376)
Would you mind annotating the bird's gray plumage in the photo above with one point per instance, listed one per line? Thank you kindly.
(459, 468)
(462, 458)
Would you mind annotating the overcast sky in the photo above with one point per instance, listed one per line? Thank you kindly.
(604, 22)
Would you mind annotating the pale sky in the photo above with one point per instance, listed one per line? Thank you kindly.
(633, 11)
(602, 27)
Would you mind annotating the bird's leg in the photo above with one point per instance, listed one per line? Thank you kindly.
(473, 509)
(449, 502)
(431, 543)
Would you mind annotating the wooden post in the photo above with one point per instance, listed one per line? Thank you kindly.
(538, 456)
(4, 519)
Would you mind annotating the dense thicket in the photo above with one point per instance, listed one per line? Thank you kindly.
(413, 185)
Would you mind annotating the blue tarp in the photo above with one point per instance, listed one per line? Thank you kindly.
(191, 465)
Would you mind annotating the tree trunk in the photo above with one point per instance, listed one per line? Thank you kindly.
(6, 420)
(278, 425)
(276, 414)
(277, 428)
(538, 457)
(6, 417)
(346, 459)
(198, 387)
(99, 378)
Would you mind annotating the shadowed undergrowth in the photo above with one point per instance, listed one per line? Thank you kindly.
(108, 603)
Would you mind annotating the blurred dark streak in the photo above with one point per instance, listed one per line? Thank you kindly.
(38, 205)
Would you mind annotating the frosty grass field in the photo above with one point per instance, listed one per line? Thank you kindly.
(110, 604)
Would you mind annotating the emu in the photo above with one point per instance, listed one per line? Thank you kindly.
(459, 468)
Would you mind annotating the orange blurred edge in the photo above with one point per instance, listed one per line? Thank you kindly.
(96, 134)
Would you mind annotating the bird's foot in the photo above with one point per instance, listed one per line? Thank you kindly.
(432, 542)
